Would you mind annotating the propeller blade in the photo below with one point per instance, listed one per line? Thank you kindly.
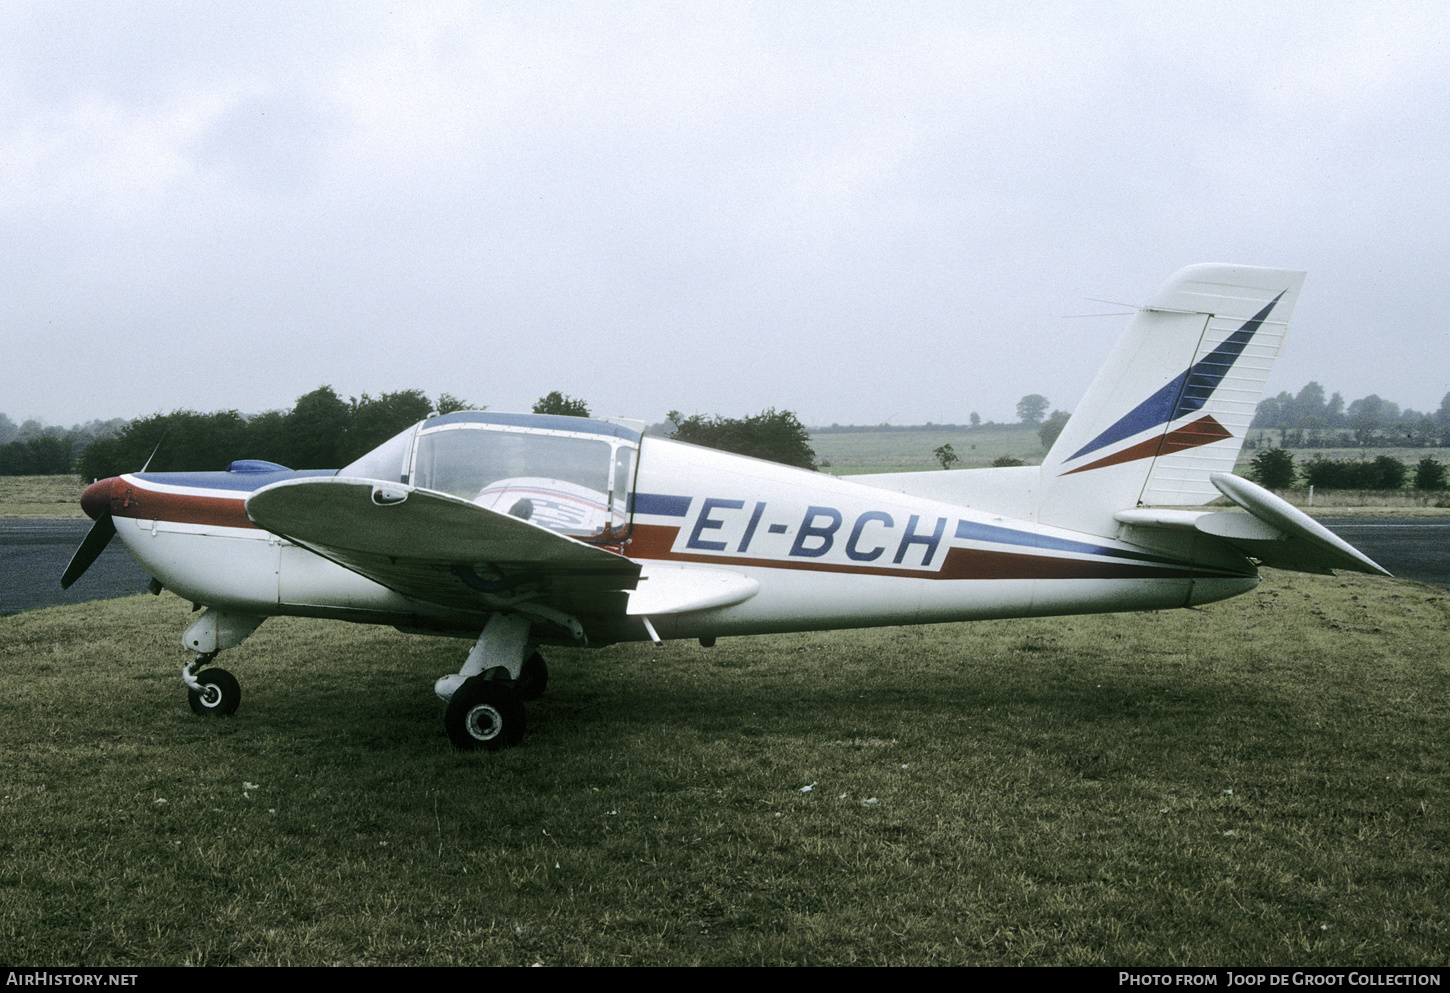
(96, 540)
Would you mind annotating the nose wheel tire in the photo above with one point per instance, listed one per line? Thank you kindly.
(484, 714)
(219, 694)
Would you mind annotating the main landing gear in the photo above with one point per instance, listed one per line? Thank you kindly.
(486, 697)
(485, 713)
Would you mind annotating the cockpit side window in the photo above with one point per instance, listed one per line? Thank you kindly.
(561, 481)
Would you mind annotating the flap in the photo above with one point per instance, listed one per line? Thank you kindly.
(673, 589)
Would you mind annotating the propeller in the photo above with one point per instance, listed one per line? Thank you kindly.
(96, 540)
(96, 502)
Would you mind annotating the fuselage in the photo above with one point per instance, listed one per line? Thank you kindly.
(826, 552)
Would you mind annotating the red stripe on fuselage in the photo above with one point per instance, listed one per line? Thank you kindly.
(656, 542)
(129, 499)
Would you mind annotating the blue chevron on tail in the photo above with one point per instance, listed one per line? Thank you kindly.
(1174, 400)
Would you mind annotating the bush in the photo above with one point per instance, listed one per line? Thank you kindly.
(1052, 427)
(777, 436)
(1429, 474)
(1384, 473)
(1387, 473)
(1273, 469)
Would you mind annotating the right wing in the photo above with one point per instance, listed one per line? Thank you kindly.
(442, 549)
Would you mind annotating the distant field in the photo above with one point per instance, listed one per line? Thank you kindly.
(41, 496)
(1409, 456)
(910, 449)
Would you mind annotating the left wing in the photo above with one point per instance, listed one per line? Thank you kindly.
(442, 549)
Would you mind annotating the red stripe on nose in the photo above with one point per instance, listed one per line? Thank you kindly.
(96, 500)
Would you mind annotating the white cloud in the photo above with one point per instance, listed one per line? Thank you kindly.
(849, 210)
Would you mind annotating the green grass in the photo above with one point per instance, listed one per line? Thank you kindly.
(910, 449)
(41, 496)
(1260, 782)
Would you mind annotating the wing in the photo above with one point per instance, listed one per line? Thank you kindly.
(442, 549)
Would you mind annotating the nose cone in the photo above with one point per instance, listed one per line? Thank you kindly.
(96, 500)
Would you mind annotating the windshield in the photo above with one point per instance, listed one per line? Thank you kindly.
(562, 481)
(388, 461)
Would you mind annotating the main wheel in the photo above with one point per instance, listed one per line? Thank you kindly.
(219, 695)
(484, 714)
(533, 678)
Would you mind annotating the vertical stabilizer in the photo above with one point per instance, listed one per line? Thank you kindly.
(1173, 402)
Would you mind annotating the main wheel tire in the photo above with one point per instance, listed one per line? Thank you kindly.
(484, 714)
(533, 678)
(219, 695)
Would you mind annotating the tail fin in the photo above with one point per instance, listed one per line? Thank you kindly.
(1174, 400)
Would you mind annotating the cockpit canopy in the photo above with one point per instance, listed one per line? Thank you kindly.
(569, 474)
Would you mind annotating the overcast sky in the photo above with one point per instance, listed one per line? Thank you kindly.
(857, 211)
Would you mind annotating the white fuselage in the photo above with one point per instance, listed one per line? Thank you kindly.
(825, 553)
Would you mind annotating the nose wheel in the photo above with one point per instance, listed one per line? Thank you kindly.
(212, 691)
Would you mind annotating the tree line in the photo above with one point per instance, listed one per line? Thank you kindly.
(33, 449)
(324, 431)
(1276, 469)
(1309, 419)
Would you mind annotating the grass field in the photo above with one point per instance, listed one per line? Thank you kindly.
(908, 450)
(1261, 781)
(41, 496)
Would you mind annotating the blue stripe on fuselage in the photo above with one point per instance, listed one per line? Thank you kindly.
(241, 482)
(661, 505)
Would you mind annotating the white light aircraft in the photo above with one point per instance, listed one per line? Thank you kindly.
(525, 530)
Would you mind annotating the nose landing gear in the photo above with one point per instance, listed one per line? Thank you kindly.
(212, 691)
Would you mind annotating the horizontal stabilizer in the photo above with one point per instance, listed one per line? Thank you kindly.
(1308, 546)
(1277, 534)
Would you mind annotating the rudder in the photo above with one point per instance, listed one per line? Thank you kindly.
(1174, 400)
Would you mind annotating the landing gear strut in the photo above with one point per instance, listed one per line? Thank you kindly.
(214, 691)
(486, 697)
